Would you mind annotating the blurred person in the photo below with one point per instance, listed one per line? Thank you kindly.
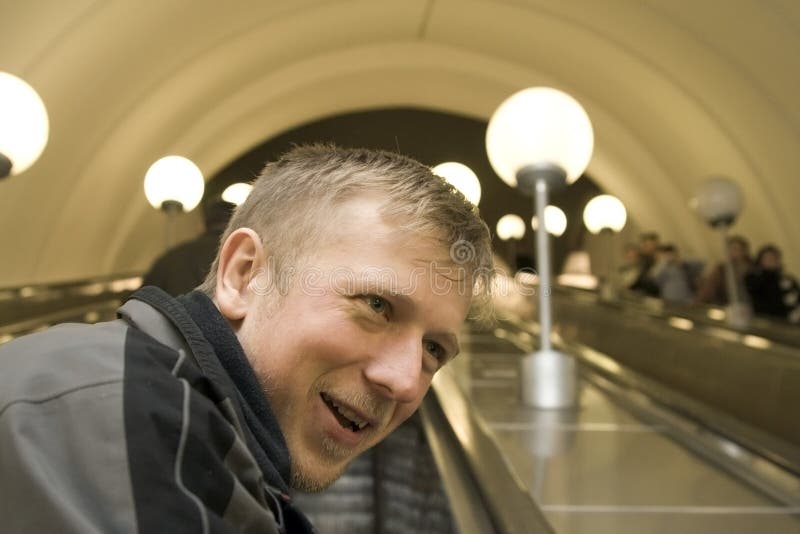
(645, 282)
(772, 292)
(669, 273)
(713, 288)
(185, 266)
(338, 292)
(649, 243)
(630, 269)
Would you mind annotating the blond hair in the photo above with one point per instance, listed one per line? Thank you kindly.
(292, 196)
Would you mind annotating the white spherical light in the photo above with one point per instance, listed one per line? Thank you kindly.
(718, 200)
(176, 179)
(555, 221)
(462, 178)
(604, 211)
(538, 126)
(24, 126)
(510, 226)
(237, 193)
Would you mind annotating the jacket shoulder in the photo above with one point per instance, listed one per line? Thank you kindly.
(61, 359)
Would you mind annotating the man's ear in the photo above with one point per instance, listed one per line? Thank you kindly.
(241, 259)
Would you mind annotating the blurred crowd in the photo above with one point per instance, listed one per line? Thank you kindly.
(656, 269)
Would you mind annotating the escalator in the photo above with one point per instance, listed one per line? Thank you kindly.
(680, 428)
(27, 309)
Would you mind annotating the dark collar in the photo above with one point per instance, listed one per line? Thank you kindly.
(212, 340)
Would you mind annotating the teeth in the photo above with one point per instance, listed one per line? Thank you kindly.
(347, 413)
(350, 414)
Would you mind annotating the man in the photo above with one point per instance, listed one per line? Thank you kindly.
(648, 247)
(669, 273)
(338, 291)
(713, 287)
(773, 292)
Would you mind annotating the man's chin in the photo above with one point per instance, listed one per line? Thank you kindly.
(309, 482)
(315, 472)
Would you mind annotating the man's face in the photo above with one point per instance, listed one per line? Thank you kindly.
(736, 250)
(350, 351)
(649, 246)
(771, 261)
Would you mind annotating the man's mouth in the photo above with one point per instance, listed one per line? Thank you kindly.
(346, 417)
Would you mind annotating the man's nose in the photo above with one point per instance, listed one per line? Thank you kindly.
(395, 368)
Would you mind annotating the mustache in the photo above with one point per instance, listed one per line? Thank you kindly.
(374, 406)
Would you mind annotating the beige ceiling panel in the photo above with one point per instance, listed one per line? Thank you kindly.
(695, 113)
(352, 79)
(109, 77)
(677, 91)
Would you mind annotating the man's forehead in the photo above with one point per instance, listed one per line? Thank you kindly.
(440, 279)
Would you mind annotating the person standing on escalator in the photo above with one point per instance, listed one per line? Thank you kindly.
(338, 291)
(773, 292)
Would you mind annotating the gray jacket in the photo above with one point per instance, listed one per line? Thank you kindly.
(133, 426)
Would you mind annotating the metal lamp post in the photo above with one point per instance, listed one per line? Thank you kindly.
(606, 215)
(718, 201)
(24, 126)
(537, 140)
(511, 228)
(173, 184)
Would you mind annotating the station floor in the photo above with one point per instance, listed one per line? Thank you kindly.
(602, 468)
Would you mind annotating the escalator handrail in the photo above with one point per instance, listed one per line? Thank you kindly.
(510, 505)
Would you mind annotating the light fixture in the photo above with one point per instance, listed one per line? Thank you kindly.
(606, 215)
(237, 193)
(718, 201)
(510, 226)
(462, 178)
(174, 181)
(173, 184)
(604, 212)
(24, 126)
(555, 221)
(539, 126)
(539, 139)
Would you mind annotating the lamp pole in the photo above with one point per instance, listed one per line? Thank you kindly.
(550, 378)
(719, 202)
(173, 184)
(540, 139)
(606, 215)
(171, 209)
(608, 288)
(538, 179)
(738, 313)
(511, 228)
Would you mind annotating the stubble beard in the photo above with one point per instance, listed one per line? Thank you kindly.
(314, 473)
(303, 477)
(304, 472)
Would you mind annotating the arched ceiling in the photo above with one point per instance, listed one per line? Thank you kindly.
(677, 90)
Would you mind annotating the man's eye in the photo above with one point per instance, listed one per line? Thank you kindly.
(436, 350)
(378, 304)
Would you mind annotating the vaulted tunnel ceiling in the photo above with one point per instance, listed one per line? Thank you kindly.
(677, 90)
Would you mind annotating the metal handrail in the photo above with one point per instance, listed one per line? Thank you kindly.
(88, 313)
(510, 506)
(761, 459)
